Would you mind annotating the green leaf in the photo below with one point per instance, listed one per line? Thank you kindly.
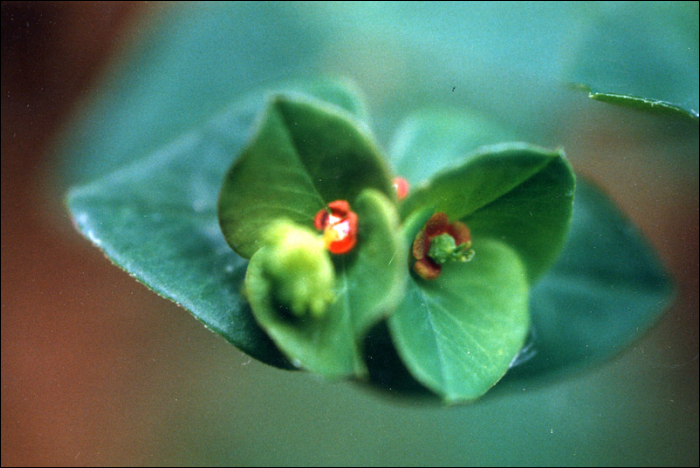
(641, 54)
(605, 291)
(157, 220)
(304, 156)
(517, 193)
(369, 282)
(459, 333)
(646, 104)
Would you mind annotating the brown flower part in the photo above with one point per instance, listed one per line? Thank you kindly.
(438, 224)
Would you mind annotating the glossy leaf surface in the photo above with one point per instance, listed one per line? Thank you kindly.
(606, 290)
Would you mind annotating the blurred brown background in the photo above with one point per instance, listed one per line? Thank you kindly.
(90, 357)
(62, 350)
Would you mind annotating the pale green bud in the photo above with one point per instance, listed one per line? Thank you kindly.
(299, 268)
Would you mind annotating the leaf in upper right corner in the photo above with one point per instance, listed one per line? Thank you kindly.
(642, 55)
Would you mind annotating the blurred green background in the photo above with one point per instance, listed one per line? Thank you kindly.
(97, 370)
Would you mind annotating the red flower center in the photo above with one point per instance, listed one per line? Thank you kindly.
(401, 186)
(339, 225)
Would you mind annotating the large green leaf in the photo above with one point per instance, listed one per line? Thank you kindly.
(369, 282)
(459, 333)
(157, 219)
(517, 193)
(304, 156)
(606, 290)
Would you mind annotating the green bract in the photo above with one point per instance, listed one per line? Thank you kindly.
(304, 155)
(248, 186)
(473, 320)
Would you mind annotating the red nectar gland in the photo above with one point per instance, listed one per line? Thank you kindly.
(339, 225)
(401, 186)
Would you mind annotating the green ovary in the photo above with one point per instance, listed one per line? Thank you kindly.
(444, 249)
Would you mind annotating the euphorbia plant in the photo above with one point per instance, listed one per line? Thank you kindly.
(307, 196)
(456, 332)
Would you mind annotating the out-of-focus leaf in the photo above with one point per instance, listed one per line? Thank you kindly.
(510, 60)
(191, 62)
(606, 290)
(641, 54)
(428, 139)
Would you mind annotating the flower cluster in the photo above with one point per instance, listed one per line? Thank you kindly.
(327, 273)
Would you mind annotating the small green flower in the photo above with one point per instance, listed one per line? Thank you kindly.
(440, 242)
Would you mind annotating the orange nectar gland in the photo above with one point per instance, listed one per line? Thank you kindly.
(401, 186)
(339, 225)
(439, 242)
